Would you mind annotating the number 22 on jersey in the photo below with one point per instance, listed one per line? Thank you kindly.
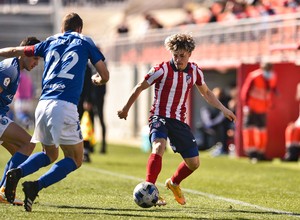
(63, 73)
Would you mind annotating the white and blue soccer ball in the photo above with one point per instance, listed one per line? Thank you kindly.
(145, 194)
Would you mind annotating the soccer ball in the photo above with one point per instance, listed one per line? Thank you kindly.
(145, 194)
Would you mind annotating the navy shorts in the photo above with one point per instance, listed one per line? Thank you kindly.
(255, 119)
(181, 138)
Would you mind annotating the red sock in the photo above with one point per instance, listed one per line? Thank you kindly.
(263, 141)
(181, 173)
(153, 167)
(248, 139)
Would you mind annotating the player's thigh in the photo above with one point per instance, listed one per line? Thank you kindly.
(16, 136)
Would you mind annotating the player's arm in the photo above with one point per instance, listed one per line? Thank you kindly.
(132, 98)
(12, 51)
(211, 99)
(102, 75)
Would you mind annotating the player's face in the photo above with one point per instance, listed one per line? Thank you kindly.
(181, 59)
(31, 62)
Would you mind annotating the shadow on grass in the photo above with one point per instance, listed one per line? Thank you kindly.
(159, 213)
(165, 213)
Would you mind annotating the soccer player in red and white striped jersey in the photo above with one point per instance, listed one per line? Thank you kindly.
(173, 81)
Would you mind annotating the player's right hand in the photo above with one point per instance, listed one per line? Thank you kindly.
(122, 114)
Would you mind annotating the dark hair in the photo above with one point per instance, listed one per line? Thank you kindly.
(266, 66)
(29, 41)
(71, 22)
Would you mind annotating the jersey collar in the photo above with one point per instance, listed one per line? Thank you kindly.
(176, 70)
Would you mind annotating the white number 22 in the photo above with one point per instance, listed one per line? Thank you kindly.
(64, 72)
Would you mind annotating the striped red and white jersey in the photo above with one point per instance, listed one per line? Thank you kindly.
(172, 88)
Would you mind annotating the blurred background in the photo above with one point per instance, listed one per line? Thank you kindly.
(232, 38)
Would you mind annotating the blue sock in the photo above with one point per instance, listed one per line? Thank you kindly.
(34, 163)
(57, 172)
(17, 159)
(5, 171)
(14, 162)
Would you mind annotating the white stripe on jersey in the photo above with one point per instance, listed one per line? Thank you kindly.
(199, 71)
(158, 74)
(172, 88)
(171, 95)
(178, 111)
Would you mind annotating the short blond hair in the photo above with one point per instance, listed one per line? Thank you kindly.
(180, 42)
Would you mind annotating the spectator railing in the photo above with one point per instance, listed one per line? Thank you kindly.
(222, 43)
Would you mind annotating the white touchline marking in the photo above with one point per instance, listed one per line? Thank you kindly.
(208, 195)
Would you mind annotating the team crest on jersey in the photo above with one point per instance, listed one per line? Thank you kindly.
(156, 124)
(188, 79)
(6, 81)
(3, 121)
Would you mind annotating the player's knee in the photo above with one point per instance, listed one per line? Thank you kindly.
(194, 166)
(52, 156)
(28, 149)
(78, 163)
(158, 148)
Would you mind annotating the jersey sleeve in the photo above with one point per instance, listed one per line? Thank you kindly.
(199, 74)
(4, 81)
(8, 70)
(154, 74)
(200, 77)
(95, 53)
(41, 48)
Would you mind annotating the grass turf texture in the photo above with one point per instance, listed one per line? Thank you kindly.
(222, 188)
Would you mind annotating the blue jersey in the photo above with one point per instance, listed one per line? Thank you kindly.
(65, 58)
(9, 81)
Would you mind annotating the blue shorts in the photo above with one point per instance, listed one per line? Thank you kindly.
(181, 138)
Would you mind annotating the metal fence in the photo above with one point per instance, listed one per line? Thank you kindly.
(226, 43)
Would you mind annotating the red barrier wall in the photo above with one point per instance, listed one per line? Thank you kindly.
(285, 110)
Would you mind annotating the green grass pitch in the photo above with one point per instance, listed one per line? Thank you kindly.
(222, 188)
